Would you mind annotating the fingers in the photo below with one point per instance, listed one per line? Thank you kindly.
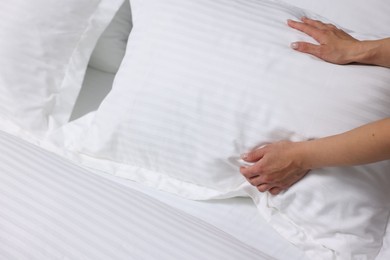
(260, 184)
(275, 191)
(310, 22)
(254, 155)
(310, 30)
(270, 189)
(317, 24)
(274, 188)
(250, 172)
(256, 180)
(314, 28)
(308, 48)
(263, 187)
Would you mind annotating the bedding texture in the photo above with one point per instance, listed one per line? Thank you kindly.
(110, 49)
(96, 85)
(44, 50)
(205, 81)
(52, 209)
(355, 15)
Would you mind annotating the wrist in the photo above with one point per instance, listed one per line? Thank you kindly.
(306, 155)
(302, 154)
(366, 52)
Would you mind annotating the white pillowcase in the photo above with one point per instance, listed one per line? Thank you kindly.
(205, 81)
(111, 47)
(45, 46)
(357, 15)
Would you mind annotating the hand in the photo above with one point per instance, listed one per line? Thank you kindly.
(277, 167)
(335, 45)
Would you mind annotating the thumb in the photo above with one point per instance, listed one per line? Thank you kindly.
(254, 155)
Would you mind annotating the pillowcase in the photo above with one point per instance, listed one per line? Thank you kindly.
(357, 15)
(44, 50)
(205, 81)
(111, 47)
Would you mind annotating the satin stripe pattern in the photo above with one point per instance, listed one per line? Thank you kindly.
(203, 82)
(45, 47)
(53, 209)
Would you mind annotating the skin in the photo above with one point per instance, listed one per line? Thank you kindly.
(279, 165)
(336, 46)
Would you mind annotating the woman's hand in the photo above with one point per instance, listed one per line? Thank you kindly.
(276, 167)
(335, 45)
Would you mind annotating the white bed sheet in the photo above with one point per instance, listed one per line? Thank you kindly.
(53, 209)
(236, 216)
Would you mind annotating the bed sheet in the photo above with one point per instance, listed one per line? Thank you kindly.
(237, 216)
(53, 209)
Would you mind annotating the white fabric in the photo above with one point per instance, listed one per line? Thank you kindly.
(111, 47)
(384, 254)
(96, 85)
(52, 209)
(235, 216)
(44, 50)
(205, 81)
(357, 15)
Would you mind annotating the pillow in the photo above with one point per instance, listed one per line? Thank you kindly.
(205, 81)
(96, 85)
(111, 47)
(357, 15)
(44, 50)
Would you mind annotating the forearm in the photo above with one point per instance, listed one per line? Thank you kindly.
(375, 52)
(366, 144)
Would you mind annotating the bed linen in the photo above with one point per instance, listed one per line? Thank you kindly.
(44, 50)
(52, 209)
(235, 216)
(196, 90)
(210, 212)
(96, 85)
(353, 15)
(111, 46)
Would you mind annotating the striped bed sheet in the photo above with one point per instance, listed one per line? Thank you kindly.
(53, 209)
(237, 217)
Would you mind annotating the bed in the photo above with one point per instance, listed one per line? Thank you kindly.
(122, 122)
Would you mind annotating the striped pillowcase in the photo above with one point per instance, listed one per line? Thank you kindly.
(45, 46)
(345, 13)
(205, 81)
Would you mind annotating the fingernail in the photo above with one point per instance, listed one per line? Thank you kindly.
(244, 156)
(294, 45)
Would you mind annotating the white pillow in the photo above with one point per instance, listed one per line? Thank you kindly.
(45, 46)
(357, 15)
(111, 47)
(205, 81)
